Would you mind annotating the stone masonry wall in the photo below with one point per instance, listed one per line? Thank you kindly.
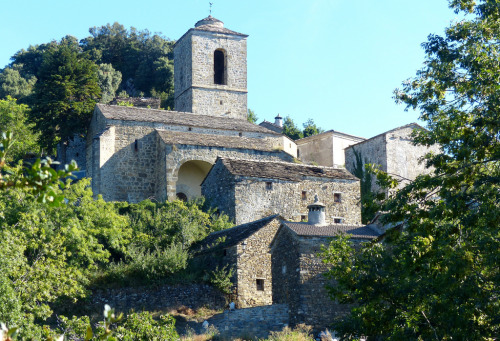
(176, 155)
(372, 151)
(218, 189)
(253, 199)
(285, 267)
(183, 71)
(254, 263)
(403, 158)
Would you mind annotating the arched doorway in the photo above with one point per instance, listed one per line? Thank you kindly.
(191, 175)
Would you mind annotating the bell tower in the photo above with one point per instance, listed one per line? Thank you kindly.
(210, 70)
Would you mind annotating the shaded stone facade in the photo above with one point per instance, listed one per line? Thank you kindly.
(298, 271)
(247, 249)
(393, 151)
(246, 190)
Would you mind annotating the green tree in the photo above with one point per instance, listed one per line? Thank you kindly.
(65, 93)
(436, 275)
(13, 117)
(251, 116)
(310, 128)
(291, 130)
(14, 85)
(109, 81)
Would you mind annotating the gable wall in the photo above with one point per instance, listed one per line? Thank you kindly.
(254, 201)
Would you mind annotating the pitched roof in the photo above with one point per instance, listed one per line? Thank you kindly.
(329, 132)
(414, 125)
(271, 126)
(283, 170)
(229, 237)
(357, 231)
(115, 112)
(175, 137)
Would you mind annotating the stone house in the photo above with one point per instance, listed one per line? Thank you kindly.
(393, 151)
(246, 248)
(298, 272)
(326, 149)
(246, 190)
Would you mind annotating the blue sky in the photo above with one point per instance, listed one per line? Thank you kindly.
(336, 61)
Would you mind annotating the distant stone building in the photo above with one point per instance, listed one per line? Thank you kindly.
(247, 190)
(326, 149)
(277, 126)
(394, 151)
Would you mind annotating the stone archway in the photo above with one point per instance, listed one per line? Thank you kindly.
(189, 178)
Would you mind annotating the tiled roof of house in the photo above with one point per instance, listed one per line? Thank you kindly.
(115, 112)
(357, 231)
(229, 237)
(283, 170)
(196, 139)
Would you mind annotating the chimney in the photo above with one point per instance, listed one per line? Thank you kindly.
(278, 121)
(316, 214)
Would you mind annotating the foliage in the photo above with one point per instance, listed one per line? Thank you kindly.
(370, 201)
(436, 274)
(13, 117)
(65, 94)
(221, 278)
(109, 81)
(14, 85)
(144, 59)
(300, 333)
(291, 130)
(251, 116)
(310, 128)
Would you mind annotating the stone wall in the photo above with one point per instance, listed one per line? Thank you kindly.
(394, 151)
(176, 155)
(254, 200)
(254, 263)
(74, 149)
(195, 90)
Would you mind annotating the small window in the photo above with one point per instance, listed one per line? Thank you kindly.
(136, 145)
(302, 218)
(220, 102)
(77, 154)
(260, 284)
(337, 197)
(240, 133)
(337, 220)
(304, 195)
(190, 129)
(269, 185)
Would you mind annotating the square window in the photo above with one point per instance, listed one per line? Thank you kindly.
(337, 220)
(303, 218)
(269, 185)
(260, 284)
(304, 195)
(337, 197)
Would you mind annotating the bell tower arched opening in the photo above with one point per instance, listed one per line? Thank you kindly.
(190, 176)
(219, 67)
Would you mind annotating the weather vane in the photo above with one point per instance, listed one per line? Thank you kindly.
(211, 3)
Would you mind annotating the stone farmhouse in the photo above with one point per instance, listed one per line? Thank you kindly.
(246, 190)
(251, 172)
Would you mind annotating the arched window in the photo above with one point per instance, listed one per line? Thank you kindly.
(219, 67)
